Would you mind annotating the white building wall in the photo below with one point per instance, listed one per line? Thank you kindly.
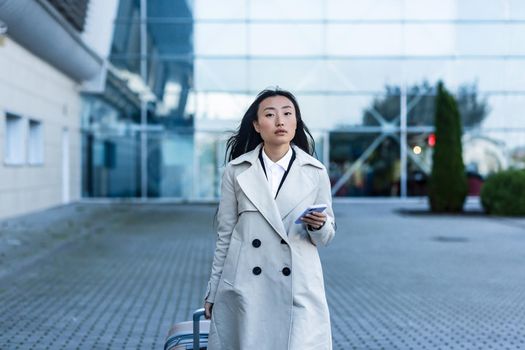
(32, 89)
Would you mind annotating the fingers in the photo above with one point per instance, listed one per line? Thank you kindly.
(317, 214)
(207, 310)
(314, 219)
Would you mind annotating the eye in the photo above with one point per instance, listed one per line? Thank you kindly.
(268, 115)
(288, 113)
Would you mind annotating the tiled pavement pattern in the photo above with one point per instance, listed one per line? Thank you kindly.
(394, 280)
(28, 238)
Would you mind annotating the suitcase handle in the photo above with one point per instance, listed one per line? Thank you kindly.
(196, 328)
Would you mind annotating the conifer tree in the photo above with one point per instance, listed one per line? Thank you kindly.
(448, 182)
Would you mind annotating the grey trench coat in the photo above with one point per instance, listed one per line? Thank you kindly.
(266, 281)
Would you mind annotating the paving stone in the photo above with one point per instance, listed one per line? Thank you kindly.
(395, 277)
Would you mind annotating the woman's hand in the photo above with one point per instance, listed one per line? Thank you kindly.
(315, 220)
(207, 310)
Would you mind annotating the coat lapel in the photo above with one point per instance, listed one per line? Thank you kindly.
(254, 184)
(296, 186)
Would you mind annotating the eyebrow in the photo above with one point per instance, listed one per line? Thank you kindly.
(276, 108)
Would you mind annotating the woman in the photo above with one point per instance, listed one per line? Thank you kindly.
(266, 289)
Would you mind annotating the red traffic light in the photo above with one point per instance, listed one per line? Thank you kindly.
(431, 140)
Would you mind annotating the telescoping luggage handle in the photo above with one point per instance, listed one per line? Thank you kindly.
(196, 328)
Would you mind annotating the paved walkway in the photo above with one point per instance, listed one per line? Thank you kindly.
(117, 276)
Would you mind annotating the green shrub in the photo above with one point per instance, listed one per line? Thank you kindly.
(448, 182)
(503, 193)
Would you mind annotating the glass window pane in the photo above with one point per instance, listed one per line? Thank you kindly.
(219, 110)
(364, 9)
(363, 75)
(515, 9)
(505, 111)
(429, 39)
(15, 133)
(35, 146)
(220, 39)
(220, 74)
(232, 9)
(430, 9)
(487, 74)
(346, 62)
(285, 39)
(485, 153)
(364, 39)
(112, 165)
(475, 9)
(420, 105)
(286, 10)
(364, 164)
(419, 163)
(493, 39)
(328, 112)
(170, 164)
(209, 148)
(295, 75)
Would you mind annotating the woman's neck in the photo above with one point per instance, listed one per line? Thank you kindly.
(275, 153)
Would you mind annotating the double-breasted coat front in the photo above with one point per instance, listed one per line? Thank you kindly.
(266, 282)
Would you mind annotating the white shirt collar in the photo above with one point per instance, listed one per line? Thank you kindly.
(283, 162)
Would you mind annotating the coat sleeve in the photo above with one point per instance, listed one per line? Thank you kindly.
(326, 233)
(226, 220)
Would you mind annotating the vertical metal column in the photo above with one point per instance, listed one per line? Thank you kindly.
(143, 101)
(403, 112)
(403, 138)
(326, 133)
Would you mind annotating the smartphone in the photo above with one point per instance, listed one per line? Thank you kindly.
(316, 207)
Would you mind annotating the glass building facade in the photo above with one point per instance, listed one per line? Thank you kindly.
(364, 73)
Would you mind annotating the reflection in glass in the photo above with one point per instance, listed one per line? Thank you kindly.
(294, 40)
(170, 164)
(384, 109)
(364, 164)
(483, 155)
(419, 162)
(506, 111)
(111, 165)
(209, 148)
(345, 61)
(221, 39)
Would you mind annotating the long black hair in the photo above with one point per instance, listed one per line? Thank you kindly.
(245, 138)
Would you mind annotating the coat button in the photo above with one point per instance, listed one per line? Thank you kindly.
(257, 270)
(256, 243)
(287, 271)
(283, 241)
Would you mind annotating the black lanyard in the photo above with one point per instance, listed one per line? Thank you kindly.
(285, 173)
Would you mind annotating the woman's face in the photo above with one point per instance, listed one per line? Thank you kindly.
(276, 120)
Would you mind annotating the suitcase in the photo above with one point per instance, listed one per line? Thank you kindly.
(189, 335)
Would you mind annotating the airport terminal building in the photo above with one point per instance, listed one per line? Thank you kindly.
(140, 103)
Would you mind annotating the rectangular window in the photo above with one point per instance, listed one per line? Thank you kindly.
(35, 143)
(14, 140)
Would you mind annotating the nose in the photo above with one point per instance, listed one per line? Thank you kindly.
(279, 121)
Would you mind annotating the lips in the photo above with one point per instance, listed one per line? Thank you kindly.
(281, 131)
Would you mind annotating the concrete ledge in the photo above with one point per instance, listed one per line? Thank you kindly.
(42, 30)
